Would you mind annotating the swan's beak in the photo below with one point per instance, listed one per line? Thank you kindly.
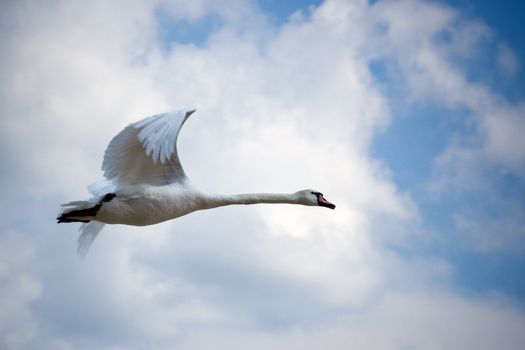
(324, 203)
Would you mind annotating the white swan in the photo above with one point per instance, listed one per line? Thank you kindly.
(145, 183)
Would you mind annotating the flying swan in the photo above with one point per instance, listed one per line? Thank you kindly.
(145, 183)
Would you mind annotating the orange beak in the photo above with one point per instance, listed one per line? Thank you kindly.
(324, 203)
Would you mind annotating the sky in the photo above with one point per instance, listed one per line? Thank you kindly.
(409, 115)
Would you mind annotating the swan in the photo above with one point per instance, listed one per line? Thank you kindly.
(145, 183)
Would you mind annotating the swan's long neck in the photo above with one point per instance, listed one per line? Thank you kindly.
(214, 201)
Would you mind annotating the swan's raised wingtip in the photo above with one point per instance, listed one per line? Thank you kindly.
(189, 112)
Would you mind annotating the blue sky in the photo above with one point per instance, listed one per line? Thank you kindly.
(407, 114)
(411, 144)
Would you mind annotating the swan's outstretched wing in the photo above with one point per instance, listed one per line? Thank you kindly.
(146, 151)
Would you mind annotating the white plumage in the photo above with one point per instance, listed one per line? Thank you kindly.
(145, 183)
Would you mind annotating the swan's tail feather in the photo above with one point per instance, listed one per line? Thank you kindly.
(83, 211)
(79, 215)
(78, 204)
(89, 232)
(86, 213)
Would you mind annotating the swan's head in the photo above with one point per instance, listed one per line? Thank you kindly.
(314, 198)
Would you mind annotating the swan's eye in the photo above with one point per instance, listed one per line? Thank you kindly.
(317, 194)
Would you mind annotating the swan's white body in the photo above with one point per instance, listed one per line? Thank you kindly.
(145, 183)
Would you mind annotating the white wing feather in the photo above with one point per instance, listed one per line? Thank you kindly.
(89, 231)
(101, 188)
(146, 151)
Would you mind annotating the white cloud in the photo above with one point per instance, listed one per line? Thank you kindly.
(432, 55)
(503, 128)
(507, 60)
(506, 232)
(433, 72)
(19, 288)
(293, 107)
(395, 322)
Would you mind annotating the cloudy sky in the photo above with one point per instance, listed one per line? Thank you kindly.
(408, 114)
